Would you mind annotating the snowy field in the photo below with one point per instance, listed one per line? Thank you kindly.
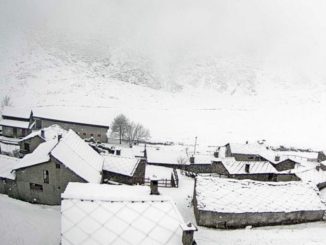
(25, 224)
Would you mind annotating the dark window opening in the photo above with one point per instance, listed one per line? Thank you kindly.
(99, 135)
(84, 134)
(92, 135)
(57, 165)
(35, 187)
(46, 176)
(26, 147)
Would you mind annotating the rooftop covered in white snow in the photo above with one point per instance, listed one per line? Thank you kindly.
(248, 196)
(108, 214)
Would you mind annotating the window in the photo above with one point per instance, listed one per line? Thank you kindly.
(26, 147)
(57, 165)
(99, 135)
(35, 187)
(46, 176)
(92, 135)
(84, 134)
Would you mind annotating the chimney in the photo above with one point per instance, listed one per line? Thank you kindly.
(188, 233)
(216, 154)
(192, 160)
(247, 142)
(145, 152)
(118, 152)
(42, 133)
(154, 186)
(247, 168)
(277, 158)
(59, 137)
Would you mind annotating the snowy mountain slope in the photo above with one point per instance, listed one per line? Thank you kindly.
(184, 69)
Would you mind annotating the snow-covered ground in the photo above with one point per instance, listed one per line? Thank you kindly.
(24, 224)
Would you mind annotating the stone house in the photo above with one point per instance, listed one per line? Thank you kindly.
(29, 143)
(7, 177)
(245, 152)
(240, 203)
(43, 175)
(254, 170)
(121, 214)
(84, 125)
(126, 170)
(16, 123)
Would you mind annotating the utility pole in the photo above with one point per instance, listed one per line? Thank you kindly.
(195, 145)
(120, 134)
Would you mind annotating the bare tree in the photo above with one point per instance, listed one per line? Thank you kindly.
(119, 127)
(6, 101)
(125, 129)
(136, 132)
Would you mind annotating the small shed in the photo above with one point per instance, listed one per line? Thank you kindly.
(125, 170)
(229, 203)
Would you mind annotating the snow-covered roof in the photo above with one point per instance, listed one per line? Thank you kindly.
(79, 157)
(15, 123)
(168, 155)
(40, 155)
(74, 115)
(108, 214)
(17, 112)
(50, 133)
(312, 175)
(158, 171)
(268, 153)
(121, 165)
(7, 164)
(248, 196)
(255, 167)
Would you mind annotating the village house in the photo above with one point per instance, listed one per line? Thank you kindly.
(43, 175)
(228, 203)
(254, 170)
(118, 214)
(126, 170)
(29, 143)
(7, 177)
(282, 163)
(245, 152)
(85, 125)
(166, 177)
(16, 123)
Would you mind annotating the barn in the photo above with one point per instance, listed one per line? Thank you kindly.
(228, 203)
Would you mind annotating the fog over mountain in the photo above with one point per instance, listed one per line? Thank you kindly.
(171, 44)
(252, 62)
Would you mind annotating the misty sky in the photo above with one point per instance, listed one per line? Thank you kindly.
(284, 37)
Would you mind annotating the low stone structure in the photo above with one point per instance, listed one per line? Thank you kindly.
(124, 170)
(228, 203)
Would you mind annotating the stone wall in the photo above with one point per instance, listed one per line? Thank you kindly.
(59, 177)
(284, 165)
(32, 142)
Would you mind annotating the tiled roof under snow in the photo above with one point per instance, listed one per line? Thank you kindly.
(40, 155)
(17, 112)
(7, 164)
(247, 196)
(158, 171)
(79, 157)
(14, 123)
(121, 165)
(255, 167)
(107, 214)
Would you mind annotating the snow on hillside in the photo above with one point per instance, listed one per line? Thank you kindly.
(208, 74)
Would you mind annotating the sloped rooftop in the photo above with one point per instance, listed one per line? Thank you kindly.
(40, 155)
(106, 214)
(255, 167)
(14, 123)
(50, 133)
(248, 196)
(17, 112)
(7, 164)
(75, 115)
(121, 165)
(79, 157)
